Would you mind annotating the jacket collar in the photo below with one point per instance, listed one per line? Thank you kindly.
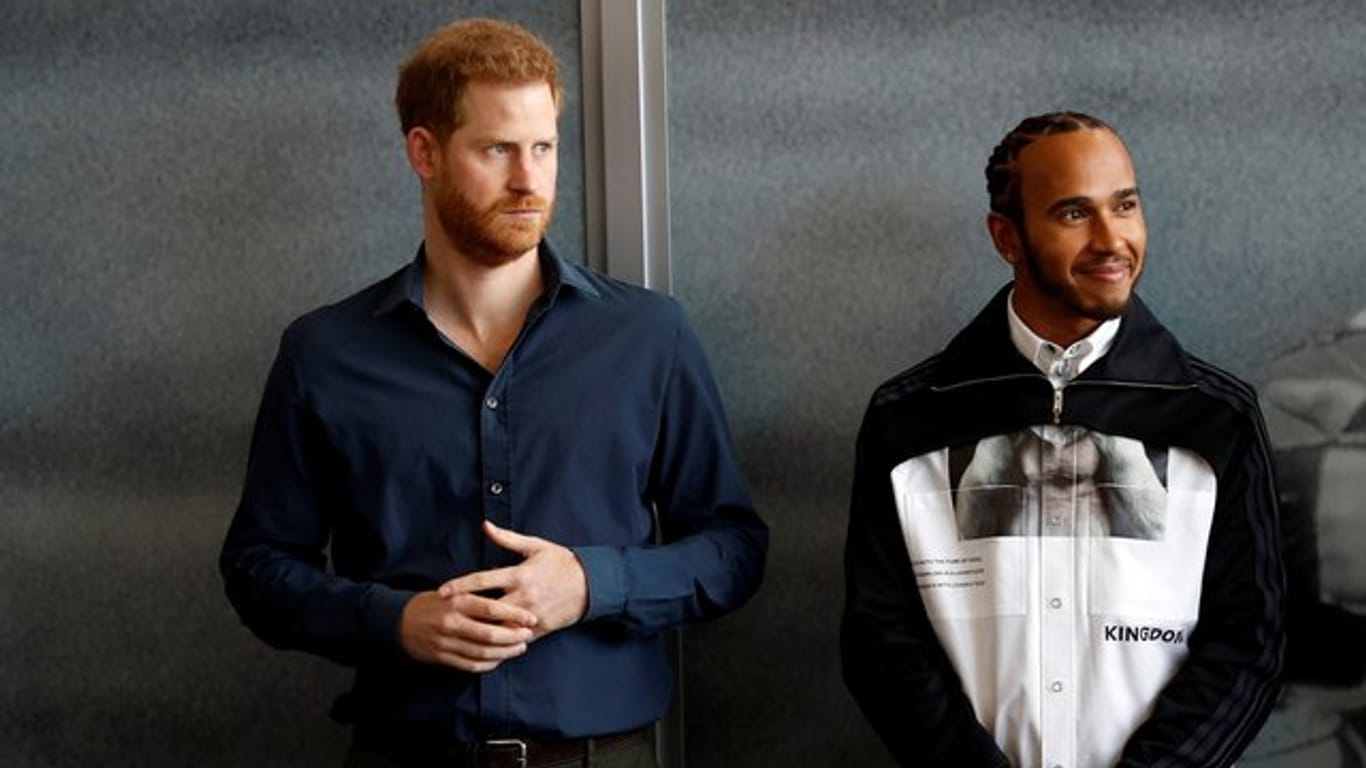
(1143, 350)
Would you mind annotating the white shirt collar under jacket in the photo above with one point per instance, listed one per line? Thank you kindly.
(1058, 364)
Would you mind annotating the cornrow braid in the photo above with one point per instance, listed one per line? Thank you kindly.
(1003, 178)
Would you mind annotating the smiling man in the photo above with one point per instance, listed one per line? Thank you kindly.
(520, 468)
(1063, 545)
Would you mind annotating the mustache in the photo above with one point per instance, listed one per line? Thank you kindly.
(522, 203)
(1127, 260)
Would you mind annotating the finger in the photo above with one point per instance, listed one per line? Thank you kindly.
(491, 610)
(478, 581)
(512, 541)
(477, 634)
(466, 665)
(469, 663)
(477, 640)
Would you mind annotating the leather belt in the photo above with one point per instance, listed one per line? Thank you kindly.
(501, 752)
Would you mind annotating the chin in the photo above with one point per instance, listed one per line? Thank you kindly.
(1107, 310)
(518, 239)
(1110, 301)
(499, 248)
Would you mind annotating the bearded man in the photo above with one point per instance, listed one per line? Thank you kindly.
(1063, 545)
(521, 468)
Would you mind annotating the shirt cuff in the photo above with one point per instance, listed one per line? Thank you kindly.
(604, 569)
(382, 609)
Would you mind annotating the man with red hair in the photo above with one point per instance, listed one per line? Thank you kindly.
(521, 467)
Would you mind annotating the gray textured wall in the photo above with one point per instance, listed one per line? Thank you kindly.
(182, 178)
(178, 179)
(828, 204)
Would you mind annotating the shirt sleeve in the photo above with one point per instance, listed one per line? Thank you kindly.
(273, 559)
(893, 662)
(1219, 698)
(714, 544)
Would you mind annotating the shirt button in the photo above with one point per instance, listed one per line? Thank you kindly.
(1055, 603)
(492, 403)
(1056, 687)
(1055, 520)
(496, 488)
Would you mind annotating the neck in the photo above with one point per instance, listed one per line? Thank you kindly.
(478, 307)
(1063, 331)
(1063, 335)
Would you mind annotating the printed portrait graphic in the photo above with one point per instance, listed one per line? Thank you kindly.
(1059, 481)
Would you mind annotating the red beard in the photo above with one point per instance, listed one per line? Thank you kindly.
(490, 236)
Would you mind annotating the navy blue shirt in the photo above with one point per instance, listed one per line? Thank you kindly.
(382, 443)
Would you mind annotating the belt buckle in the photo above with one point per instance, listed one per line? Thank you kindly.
(517, 744)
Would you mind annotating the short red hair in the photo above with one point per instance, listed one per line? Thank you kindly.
(432, 81)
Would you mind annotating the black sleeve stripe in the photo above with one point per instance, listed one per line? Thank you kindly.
(1221, 740)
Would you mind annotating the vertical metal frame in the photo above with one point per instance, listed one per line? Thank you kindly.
(626, 190)
(626, 184)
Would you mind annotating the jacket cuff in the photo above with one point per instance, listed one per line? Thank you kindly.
(604, 569)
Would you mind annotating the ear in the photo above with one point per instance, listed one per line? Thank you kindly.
(1006, 237)
(424, 152)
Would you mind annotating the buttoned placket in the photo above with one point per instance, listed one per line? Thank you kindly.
(1057, 604)
(1057, 597)
(499, 489)
(496, 479)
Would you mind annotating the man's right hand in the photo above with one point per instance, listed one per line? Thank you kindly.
(465, 631)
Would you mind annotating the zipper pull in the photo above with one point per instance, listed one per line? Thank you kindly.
(1057, 405)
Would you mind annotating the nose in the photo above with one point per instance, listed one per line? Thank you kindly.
(1106, 234)
(525, 175)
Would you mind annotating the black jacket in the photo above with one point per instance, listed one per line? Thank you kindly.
(1146, 387)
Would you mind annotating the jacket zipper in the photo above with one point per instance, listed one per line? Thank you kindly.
(1057, 391)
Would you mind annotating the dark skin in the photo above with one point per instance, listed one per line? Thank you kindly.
(1079, 246)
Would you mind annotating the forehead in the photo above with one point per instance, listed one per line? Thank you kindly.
(1089, 163)
(498, 106)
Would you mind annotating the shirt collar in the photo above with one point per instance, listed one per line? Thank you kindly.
(1060, 365)
(406, 284)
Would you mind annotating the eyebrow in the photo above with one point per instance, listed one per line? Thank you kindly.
(497, 138)
(1069, 202)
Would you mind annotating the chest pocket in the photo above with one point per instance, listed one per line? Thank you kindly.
(1150, 559)
(958, 576)
(1158, 578)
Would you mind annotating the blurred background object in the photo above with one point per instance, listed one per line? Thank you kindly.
(1314, 398)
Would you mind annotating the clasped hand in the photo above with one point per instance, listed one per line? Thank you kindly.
(460, 626)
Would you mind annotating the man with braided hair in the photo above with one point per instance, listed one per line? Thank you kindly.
(1063, 545)
(520, 468)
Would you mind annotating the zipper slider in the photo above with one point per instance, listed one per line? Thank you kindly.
(1057, 405)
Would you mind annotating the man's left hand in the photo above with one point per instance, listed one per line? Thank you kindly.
(550, 582)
